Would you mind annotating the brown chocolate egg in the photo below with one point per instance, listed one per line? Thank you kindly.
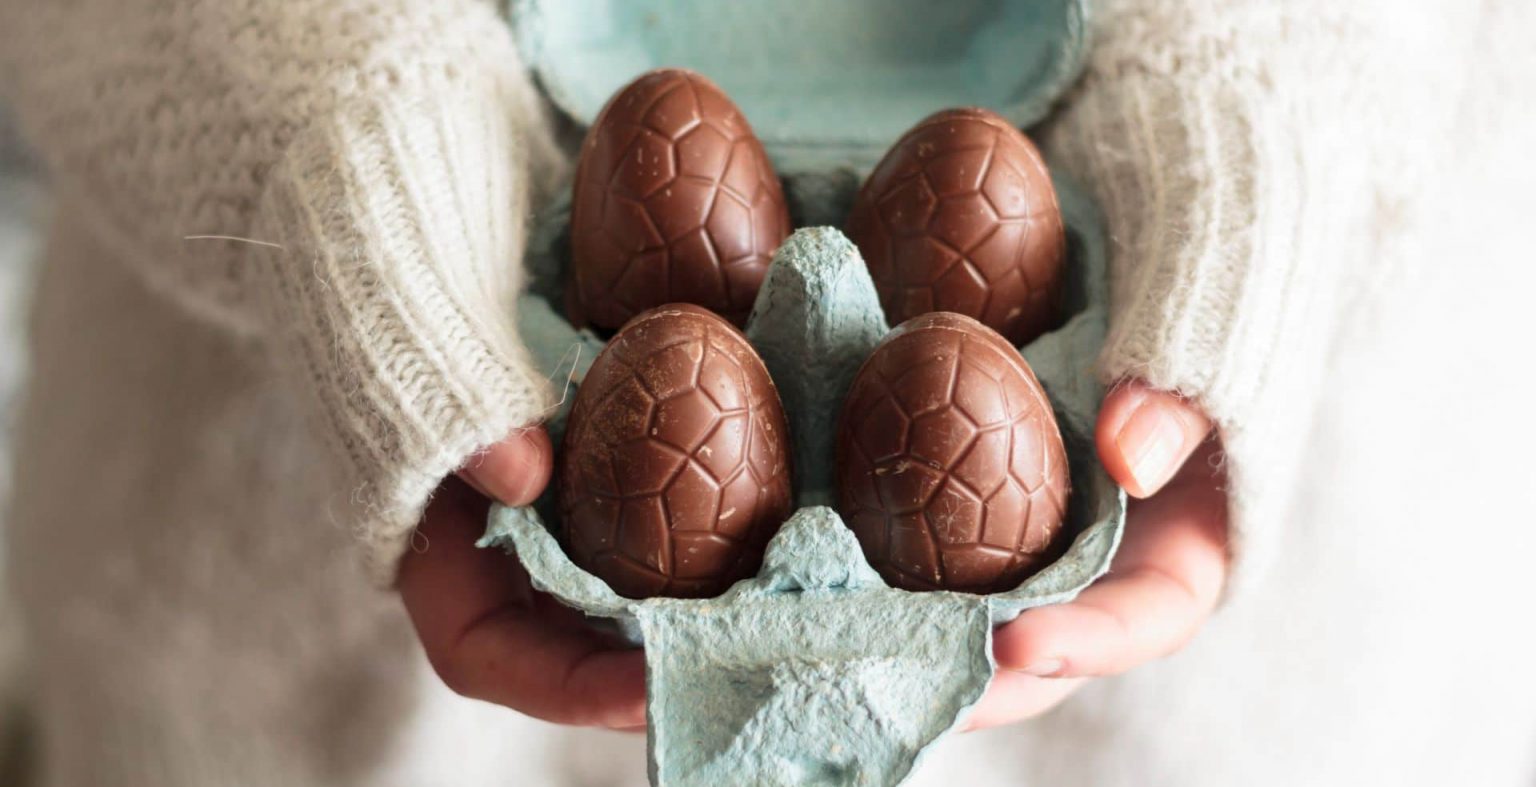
(950, 467)
(675, 201)
(674, 471)
(961, 216)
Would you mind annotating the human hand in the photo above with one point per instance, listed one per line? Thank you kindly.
(487, 632)
(492, 637)
(1164, 581)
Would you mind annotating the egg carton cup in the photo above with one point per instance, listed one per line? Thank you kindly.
(815, 671)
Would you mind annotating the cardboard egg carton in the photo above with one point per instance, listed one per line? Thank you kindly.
(815, 671)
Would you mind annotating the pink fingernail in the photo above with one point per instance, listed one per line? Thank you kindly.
(468, 477)
(508, 474)
(1151, 441)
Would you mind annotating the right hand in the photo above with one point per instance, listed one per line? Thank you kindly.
(1165, 580)
(487, 632)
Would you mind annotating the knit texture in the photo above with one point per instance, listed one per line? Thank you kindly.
(400, 228)
(383, 155)
(375, 161)
(1228, 155)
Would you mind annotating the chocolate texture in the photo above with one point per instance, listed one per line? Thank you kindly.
(950, 468)
(675, 200)
(961, 216)
(675, 467)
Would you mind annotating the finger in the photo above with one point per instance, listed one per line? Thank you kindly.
(512, 659)
(1144, 435)
(515, 470)
(490, 637)
(1014, 697)
(1164, 583)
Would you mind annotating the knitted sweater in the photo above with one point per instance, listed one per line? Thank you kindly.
(375, 161)
(281, 281)
(378, 160)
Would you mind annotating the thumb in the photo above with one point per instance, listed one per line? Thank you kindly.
(1144, 435)
(513, 471)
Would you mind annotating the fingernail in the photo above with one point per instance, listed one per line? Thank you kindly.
(515, 489)
(1044, 668)
(468, 476)
(1151, 441)
(512, 477)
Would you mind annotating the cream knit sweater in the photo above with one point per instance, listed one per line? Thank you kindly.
(278, 305)
(378, 160)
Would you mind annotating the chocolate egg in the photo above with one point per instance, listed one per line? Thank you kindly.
(675, 201)
(674, 471)
(961, 216)
(950, 467)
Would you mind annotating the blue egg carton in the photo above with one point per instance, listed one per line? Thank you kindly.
(815, 671)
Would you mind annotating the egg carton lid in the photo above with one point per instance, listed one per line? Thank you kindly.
(821, 83)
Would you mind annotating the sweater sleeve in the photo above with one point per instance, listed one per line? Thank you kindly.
(1222, 139)
(343, 183)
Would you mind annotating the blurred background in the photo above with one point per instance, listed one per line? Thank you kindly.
(21, 215)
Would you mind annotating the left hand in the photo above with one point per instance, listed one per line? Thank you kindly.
(487, 632)
(1164, 582)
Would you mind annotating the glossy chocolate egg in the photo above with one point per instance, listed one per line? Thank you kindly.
(950, 467)
(675, 201)
(961, 216)
(675, 470)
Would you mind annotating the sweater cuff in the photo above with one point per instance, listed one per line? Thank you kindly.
(1211, 296)
(399, 223)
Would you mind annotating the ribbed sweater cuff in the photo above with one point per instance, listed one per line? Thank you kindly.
(401, 225)
(1211, 296)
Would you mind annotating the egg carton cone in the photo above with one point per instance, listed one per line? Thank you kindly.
(815, 672)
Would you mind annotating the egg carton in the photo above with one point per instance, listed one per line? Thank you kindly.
(814, 671)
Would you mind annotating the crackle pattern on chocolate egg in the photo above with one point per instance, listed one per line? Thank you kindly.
(961, 216)
(951, 470)
(675, 468)
(675, 201)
